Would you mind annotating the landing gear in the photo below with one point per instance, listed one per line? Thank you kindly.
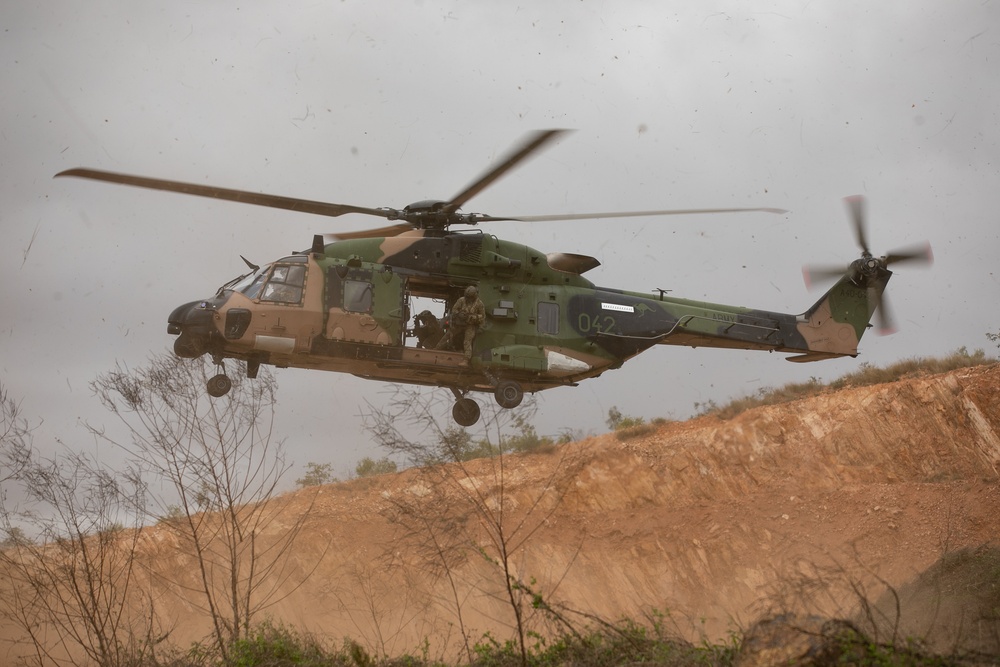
(465, 412)
(508, 394)
(219, 385)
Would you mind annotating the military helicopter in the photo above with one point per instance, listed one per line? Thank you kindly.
(345, 306)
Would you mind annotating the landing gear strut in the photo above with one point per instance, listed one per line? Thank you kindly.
(465, 411)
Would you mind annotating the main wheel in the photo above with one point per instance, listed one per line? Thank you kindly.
(219, 385)
(465, 412)
(508, 394)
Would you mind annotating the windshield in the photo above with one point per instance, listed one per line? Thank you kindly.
(249, 284)
(285, 285)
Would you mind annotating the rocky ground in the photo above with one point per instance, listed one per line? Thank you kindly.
(831, 506)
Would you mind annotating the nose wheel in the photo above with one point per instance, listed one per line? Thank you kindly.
(219, 385)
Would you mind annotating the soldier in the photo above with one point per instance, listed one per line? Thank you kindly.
(467, 315)
(427, 330)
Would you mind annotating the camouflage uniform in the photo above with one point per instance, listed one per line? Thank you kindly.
(427, 330)
(470, 310)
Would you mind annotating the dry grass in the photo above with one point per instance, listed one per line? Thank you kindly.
(866, 375)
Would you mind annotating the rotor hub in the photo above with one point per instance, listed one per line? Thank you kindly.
(870, 264)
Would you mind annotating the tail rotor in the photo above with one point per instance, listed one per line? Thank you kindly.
(867, 268)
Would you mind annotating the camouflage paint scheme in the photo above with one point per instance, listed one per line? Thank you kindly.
(345, 306)
(546, 324)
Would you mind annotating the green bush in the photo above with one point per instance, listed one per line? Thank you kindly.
(278, 646)
(616, 421)
(526, 438)
(317, 474)
(368, 467)
(624, 643)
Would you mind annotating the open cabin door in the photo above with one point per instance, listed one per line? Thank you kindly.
(364, 304)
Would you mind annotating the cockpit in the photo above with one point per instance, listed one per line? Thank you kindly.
(280, 282)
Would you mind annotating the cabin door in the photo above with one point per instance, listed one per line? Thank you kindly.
(365, 305)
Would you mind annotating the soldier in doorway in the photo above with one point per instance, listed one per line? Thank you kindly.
(427, 329)
(467, 315)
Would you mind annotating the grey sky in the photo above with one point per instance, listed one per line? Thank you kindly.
(675, 105)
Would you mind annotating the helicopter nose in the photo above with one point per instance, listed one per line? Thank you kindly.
(190, 314)
(193, 325)
(175, 321)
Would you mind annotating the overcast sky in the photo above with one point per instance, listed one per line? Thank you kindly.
(675, 105)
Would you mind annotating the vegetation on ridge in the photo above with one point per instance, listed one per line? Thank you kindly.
(866, 375)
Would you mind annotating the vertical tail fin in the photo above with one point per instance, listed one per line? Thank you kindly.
(834, 325)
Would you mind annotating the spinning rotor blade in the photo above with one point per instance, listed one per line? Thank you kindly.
(856, 206)
(921, 254)
(886, 326)
(532, 143)
(379, 232)
(242, 196)
(814, 275)
(630, 214)
(426, 215)
(869, 264)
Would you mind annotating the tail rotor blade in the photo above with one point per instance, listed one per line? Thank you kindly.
(856, 206)
(815, 275)
(886, 325)
(921, 254)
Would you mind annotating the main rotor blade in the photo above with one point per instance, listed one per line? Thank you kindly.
(532, 143)
(856, 206)
(379, 232)
(241, 196)
(627, 214)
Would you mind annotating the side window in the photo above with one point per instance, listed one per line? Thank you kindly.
(358, 296)
(285, 284)
(548, 317)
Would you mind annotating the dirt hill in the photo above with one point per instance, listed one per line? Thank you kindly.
(811, 506)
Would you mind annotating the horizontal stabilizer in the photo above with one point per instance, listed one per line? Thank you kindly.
(812, 356)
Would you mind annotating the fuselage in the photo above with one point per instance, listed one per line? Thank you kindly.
(345, 307)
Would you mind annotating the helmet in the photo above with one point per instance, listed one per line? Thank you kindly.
(471, 292)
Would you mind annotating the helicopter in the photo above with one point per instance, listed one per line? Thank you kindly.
(345, 306)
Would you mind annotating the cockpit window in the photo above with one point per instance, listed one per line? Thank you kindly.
(250, 285)
(288, 271)
(284, 285)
